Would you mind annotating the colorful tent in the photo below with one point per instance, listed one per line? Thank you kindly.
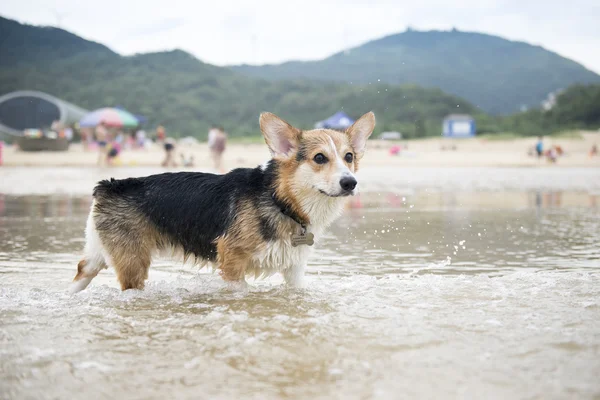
(339, 120)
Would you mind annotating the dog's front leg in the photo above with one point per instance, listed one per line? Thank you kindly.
(294, 276)
(233, 270)
(233, 261)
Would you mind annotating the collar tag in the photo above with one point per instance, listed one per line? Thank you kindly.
(303, 237)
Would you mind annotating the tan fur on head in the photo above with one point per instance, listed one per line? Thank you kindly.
(297, 151)
(325, 177)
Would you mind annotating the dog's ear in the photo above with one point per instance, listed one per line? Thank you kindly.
(281, 137)
(360, 131)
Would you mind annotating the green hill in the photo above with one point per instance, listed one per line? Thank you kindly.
(186, 95)
(578, 107)
(22, 44)
(497, 75)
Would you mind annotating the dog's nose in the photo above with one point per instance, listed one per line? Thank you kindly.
(348, 183)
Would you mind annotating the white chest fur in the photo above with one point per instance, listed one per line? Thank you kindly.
(280, 256)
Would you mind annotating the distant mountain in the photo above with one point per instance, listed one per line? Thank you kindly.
(497, 75)
(21, 44)
(186, 95)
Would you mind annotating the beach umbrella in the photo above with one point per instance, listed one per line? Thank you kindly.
(110, 117)
(140, 118)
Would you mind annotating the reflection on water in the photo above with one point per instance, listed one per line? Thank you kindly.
(43, 206)
(426, 293)
(64, 205)
(426, 199)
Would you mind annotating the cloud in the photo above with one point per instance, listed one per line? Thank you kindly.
(153, 28)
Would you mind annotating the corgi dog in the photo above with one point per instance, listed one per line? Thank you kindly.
(250, 221)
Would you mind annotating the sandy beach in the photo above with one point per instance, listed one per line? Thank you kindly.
(473, 152)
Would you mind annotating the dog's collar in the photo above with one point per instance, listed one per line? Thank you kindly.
(289, 212)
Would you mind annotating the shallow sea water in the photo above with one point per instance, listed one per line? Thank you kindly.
(418, 291)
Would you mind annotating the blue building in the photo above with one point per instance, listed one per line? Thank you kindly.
(458, 126)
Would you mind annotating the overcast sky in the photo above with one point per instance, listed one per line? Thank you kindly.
(226, 32)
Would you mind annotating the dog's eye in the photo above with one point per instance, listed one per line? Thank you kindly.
(320, 159)
(348, 157)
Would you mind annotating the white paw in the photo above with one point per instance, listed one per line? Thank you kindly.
(238, 286)
(79, 285)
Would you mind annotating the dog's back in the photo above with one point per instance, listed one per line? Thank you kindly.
(186, 209)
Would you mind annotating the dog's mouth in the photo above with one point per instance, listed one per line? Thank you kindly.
(342, 194)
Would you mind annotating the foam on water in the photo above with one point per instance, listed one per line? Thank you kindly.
(361, 335)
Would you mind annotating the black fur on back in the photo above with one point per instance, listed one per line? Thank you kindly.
(192, 209)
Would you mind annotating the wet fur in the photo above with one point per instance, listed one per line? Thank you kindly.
(232, 221)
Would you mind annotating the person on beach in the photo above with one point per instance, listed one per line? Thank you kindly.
(212, 133)
(140, 139)
(539, 147)
(101, 134)
(87, 137)
(169, 160)
(113, 153)
(217, 140)
(68, 133)
(160, 134)
(552, 155)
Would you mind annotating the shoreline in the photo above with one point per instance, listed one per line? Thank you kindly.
(471, 152)
(373, 180)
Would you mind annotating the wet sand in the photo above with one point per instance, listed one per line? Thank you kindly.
(475, 152)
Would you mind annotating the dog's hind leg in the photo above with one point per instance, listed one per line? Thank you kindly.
(130, 246)
(131, 265)
(129, 241)
(93, 260)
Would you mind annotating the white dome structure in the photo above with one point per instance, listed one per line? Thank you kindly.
(27, 109)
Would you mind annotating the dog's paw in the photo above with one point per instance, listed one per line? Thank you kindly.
(238, 286)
